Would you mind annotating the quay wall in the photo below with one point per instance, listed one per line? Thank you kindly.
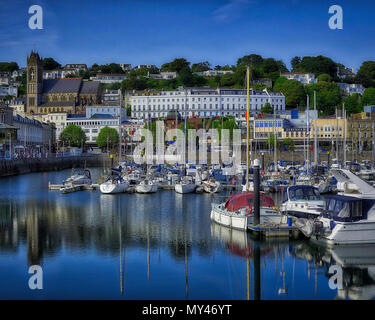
(23, 166)
(299, 156)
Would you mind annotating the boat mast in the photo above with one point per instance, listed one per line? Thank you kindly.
(120, 134)
(337, 136)
(315, 134)
(247, 126)
(275, 140)
(308, 135)
(344, 131)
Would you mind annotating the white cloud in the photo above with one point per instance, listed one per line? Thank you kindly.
(231, 10)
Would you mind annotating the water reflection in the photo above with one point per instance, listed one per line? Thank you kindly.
(357, 264)
(156, 246)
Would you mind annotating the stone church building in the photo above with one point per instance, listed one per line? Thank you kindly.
(70, 95)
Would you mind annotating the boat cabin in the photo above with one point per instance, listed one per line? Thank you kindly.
(346, 208)
(301, 193)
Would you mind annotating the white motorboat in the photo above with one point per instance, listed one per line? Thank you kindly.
(79, 177)
(325, 186)
(349, 217)
(237, 211)
(186, 185)
(114, 184)
(212, 186)
(302, 201)
(147, 186)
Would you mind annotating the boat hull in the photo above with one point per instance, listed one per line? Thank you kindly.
(184, 188)
(242, 222)
(110, 188)
(146, 188)
(349, 233)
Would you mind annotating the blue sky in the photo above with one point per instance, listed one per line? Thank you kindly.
(157, 31)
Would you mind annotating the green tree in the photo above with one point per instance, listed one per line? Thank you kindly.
(295, 62)
(368, 97)
(107, 137)
(227, 122)
(73, 136)
(328, 96)
(271, 142)
(72, 75)
(266, 108)
(293, 91)
(128, 111)
(176, 65)
(50, 64)
(289, 143)
(353, 103)
(200, 66)
(181, 127)
(324, 77)
(366, 73)
(251, 59)
(317, 65)
(8, 66)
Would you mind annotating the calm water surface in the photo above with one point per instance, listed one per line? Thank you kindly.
(159, 246)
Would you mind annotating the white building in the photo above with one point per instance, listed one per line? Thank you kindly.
(350, 88)
(32, 132)
(144, 66)
(77, 67)
(125, 66)
(18, 105)
(59, 119)
(213, 73)
(17, 73)
(92, 126)
(305, 78)
(4, 78)
(109, 78)
(112, 97)
(58, 73)
(203, 102)
(8, 91)
(164, 75)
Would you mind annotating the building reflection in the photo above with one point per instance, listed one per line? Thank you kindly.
(147, 222)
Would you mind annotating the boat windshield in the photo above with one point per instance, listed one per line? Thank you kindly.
(344, 210)
(306, 194)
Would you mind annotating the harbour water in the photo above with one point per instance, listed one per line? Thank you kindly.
(154, 246)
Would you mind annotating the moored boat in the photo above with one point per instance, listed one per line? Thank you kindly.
(114, 184)
(79, 177)
(237, 211)
(147, 186)
(302, 201)
(186, 185)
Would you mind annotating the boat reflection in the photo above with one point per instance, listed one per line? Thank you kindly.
(356, 262)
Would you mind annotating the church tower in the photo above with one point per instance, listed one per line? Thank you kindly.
(34, 82)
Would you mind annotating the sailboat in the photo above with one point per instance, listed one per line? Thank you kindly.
(237, 211)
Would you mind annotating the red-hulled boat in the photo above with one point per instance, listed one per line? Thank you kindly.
(237, 211)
